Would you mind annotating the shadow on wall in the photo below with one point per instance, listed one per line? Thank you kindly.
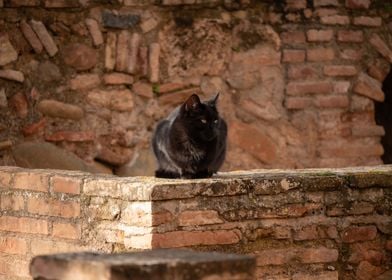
(384, 118)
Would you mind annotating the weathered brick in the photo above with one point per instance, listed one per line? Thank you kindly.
(12, 75)
(367, 86)
(381, 47)
(51, 207)
(66, 184)
(341, 86)
(54, 108)
(117, 79)
(351, 54)
(319, 35)
(358, 4)
(296, 255)
(19, 104)
(378, 72)
(206, 217)
(325, 275)
(294, 5)
(335, 20)
(321, 3)
(352, 36)
(13, 245)
(148, 25)
(31, 181)
(366, 270)
(302, 72)
(298, 102)
(122, 51)
(14, 267)
(154, 51)
(84, 81)
(5, 179)
(95, 32)
(11, 201)
(23, 224)
(293, 56)
(359, 233)
(31, 37)
(41, 247)
(183, 239)
(134, 46)
(34, 128)
(61, 3)
(44, 37)
(293, 37)
(24, 3)
(302, 88)
(320, 54)
(71, 136)
(110, 50)
(367, 21)
(364, 130)
(66, 230)
(143, 61)
(143, 89)
(332, 101)
(340, 70)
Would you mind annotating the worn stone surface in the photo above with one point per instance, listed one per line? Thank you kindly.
(121, 21)
(7, 52)
(79, 56)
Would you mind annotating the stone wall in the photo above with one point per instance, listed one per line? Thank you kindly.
(298, 79)
(306, 224)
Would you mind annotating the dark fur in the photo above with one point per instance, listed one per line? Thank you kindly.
(191, 141)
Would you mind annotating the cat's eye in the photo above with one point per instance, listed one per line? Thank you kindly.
(216, 121)
(203, 120)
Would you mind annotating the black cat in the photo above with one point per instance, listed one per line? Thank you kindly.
(191, 141)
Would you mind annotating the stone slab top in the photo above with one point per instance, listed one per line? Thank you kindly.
(257, 182)
(152, 264)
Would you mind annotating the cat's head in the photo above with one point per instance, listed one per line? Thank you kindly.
(201, 118)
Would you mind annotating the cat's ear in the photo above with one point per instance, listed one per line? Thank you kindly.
(213, 101)
(192, 103)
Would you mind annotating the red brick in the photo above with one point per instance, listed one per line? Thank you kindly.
(122, 51)
(351, 36)
(40, 247)
(293, 56)
(358, 4)
(94, 30)
(298, 102)
(321, 3)
(31, 37)
(369, 87)
(293, 37)
(335, 20)
(84, 81)
(302, 88)
(323, 12)
(13, 245)
(306, 233)
(143, 89)
(359, 233)
(340, 70)
(66, 185)
(302, 72)
(206, 217)
(296, 255)
(177, 239)
(71, 136)
(34, 128)
(351, 54)
(341, 86)
(320, 54)
(153, 58)
(110, 50)
(66, 230)
(378, 72)
(315, 35)
(366, 271)
(13, 202)
(31, 181)
(61, 3)
(44, 36)
(23, 224)
(366, 251)
(368, 21)
(117, 79)
(294, 5)
(41, 206)
(381, 47)
(361, 208)
(282, 232)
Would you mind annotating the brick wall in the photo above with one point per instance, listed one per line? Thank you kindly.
(298, 79)
(306, 224)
